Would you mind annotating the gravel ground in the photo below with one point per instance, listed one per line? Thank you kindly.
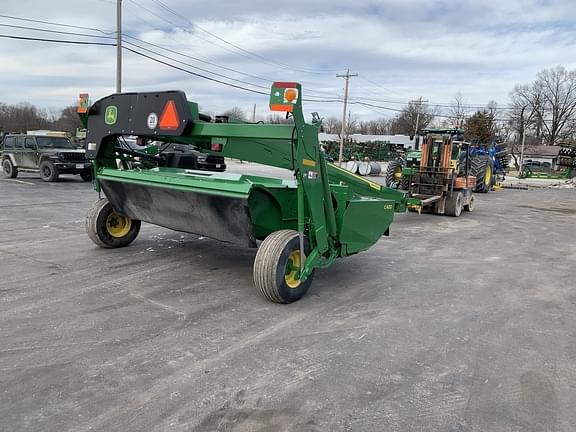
(464, 324)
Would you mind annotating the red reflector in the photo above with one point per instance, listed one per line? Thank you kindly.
(216, 147)
(169, 118)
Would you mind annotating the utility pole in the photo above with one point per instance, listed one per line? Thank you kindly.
(254, 114)
(118, 46)
(523, 126)
(347, 77)
(419, 104)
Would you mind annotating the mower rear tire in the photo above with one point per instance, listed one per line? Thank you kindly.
(109, 229)
(454, 204)
(276, 267)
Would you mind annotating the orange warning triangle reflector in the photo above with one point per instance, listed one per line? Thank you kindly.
(169, 118)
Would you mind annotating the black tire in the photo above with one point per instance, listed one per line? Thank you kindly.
(471, 205)
(525, 172)
(86, 176)
(102, 220)
(272, 267)
(479, 167)
(392, 178)
(454, 204)
(48, 171)
(405, 183)
(9, 169)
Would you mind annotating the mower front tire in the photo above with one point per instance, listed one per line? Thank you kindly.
(277, 265)
(109, 229)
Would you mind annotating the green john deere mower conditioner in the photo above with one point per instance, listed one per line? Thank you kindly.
(324, 213)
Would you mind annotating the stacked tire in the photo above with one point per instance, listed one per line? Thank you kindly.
(502, 155)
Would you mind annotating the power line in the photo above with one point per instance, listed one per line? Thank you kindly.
(221, 39)
(435, 104)
(192, 66)
(395, 102)
(111, 37)
(201, 60)
(368, 105)
(57, 24)
(56, 40)
(133, 51)
(194, 73)
(257, 77)
(173, 24)
(136, 45)
(439, 104)
(113, 44)
(197, 59)
(379, 85)
(55, 31)
(131, 43)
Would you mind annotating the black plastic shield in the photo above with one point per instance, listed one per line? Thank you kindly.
(136, 114)
(221, 218)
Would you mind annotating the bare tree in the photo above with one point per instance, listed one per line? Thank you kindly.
(558, 89)
(405, 121)
(22, 117)
(331, 125)
(235, 113)
(550, 103)
(279, 119)
(68, 120)
(379, 126)
(457, 112)
(480, 127)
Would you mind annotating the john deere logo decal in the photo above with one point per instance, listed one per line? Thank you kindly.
(111, 115)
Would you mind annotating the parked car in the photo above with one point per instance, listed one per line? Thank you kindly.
(48, 155)
(171, 155)
(535, 165)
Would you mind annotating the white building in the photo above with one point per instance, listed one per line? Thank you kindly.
(403, 140)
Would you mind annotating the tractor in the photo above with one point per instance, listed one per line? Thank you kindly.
(488, 163)
(399, 172)
(324, 213)
(442, 181)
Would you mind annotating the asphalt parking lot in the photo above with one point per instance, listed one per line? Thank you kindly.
(464, 324)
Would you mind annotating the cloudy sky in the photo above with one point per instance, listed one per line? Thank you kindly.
(400, 49)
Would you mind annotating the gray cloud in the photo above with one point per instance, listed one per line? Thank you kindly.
(411, 48)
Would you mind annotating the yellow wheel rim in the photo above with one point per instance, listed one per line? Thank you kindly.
(292, 270)
(118, 226)
(488, 176)
(397, 174)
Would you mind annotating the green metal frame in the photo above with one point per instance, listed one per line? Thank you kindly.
(339, 212)
(560, 175)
